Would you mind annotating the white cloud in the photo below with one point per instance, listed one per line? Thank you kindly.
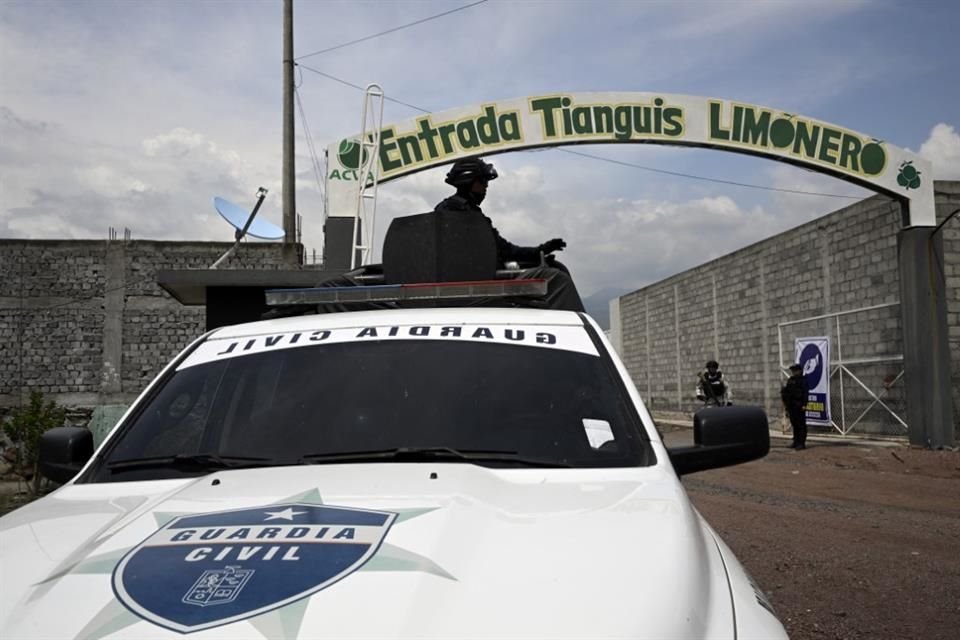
(109, 181)
(633, 243)
(942, 148)
(177, 143)
(161, 188)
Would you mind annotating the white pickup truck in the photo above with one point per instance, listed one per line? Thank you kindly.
(417, 473)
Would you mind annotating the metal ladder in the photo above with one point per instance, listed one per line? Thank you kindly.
(368, 175)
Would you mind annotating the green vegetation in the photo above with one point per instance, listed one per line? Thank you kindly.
(24, 430)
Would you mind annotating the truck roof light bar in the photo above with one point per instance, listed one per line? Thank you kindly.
(534, 287)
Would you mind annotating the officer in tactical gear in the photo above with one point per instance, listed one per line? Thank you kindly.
(470, 177)
(794, 395)
(712, 389)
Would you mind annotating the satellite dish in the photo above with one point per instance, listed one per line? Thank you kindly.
(245, 223)
(238, 218)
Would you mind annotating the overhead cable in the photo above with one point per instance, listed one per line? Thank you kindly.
(718, 180)
(359, 88)
(314, 159)
(394, 29)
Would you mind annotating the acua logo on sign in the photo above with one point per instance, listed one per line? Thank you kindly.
(348, 153)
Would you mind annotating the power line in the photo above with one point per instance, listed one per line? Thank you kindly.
(383, 33)
(311, 148)
(693, 177)
(620, 162)
(314, 158)
(359, 88)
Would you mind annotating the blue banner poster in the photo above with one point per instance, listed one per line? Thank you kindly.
(813, 354)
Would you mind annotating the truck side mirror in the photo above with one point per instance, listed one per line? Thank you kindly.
(64, 451)
(723, 436)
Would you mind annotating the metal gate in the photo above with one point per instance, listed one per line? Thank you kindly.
(867, 363)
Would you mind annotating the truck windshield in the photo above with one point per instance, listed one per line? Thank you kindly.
(305, 405)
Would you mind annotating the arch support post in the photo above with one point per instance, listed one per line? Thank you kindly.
(926, 347)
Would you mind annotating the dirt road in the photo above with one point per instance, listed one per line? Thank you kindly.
(849, 541)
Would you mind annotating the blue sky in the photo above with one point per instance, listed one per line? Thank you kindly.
(135, 114)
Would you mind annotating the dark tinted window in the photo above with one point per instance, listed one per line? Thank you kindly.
(541, 403)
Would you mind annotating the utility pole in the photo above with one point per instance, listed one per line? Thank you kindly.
(289, 194)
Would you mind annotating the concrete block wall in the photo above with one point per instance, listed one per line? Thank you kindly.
(84, 320)
(948, 201)
(733, 309)
(661, 333)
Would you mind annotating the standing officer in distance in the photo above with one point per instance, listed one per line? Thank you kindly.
(794, 395)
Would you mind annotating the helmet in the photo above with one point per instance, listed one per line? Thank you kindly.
(464, 172)
(712, 364)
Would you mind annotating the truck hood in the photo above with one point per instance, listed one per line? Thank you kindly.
(366, 550)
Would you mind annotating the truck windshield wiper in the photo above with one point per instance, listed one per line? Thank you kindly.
(199, 461)
(430, 454)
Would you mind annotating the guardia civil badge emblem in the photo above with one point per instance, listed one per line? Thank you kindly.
(206, 570)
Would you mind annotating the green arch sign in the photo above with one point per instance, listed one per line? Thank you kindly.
(629, 117)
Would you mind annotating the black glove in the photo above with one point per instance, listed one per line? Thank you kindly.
(557, 244)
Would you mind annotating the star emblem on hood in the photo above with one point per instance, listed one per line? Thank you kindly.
(283, 623)
(286, 514)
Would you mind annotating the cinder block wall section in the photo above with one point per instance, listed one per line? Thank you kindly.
(745, 309)
(948, 201)
(84, 321)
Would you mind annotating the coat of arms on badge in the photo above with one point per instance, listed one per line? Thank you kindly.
(210, 569)
(217, 586)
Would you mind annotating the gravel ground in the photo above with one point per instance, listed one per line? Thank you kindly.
(848, 540)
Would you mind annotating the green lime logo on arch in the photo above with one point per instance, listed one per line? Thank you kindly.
(349, 153)
(908, 177)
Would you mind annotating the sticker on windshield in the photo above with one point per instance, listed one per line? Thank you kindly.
(206, 570)
(566, 338)
(599, 432)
